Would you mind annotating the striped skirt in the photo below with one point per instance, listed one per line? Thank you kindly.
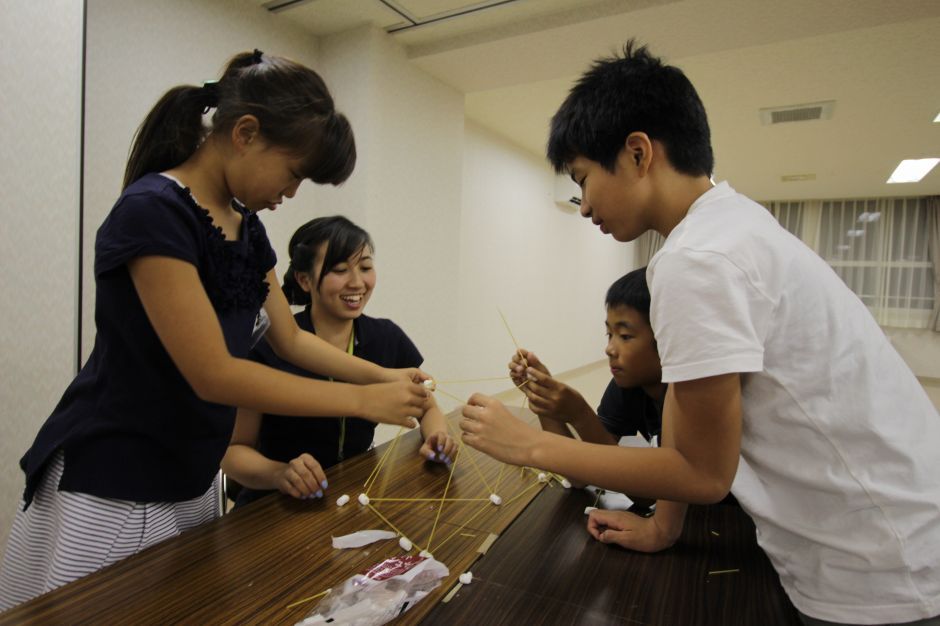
(65, 535)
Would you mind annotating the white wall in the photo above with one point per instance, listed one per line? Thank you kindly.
(545, 267)
(406, 187)
(40, 100)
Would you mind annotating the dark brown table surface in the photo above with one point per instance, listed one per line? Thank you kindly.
(546, 569)
(249, 566)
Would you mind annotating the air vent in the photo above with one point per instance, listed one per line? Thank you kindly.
(797, 113)
(795, 178)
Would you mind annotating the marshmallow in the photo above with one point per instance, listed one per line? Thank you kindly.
(405, 544)
(543, 478)
(565, 483)
(495, 499)
(429, 384)
(363, 499)
(466, 578)
(588, 509)
(342, 500)
(426, 554)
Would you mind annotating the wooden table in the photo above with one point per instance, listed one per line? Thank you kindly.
(250, 565)
(546, 569)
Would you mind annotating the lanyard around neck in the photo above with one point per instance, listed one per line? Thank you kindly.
(342, 420)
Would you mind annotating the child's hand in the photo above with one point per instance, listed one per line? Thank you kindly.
(393, 403)
(628, 531)
(302, 478)
(493, 430)
(553, 399)
(439, 447)
(412, 374)
(517, 366)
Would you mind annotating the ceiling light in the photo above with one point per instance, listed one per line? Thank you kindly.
(912, 170)
(865, 216)
(937, 119)
(856, 232)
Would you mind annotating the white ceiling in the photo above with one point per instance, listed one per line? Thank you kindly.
(515, 60)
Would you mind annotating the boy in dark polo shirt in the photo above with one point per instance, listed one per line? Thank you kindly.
(632, 403)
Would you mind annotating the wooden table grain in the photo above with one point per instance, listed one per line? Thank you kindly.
(546, 569)
(250, 565)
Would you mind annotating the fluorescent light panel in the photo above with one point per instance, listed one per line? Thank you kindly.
(912, 170)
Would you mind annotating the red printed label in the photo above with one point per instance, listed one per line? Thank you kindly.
(394, 566)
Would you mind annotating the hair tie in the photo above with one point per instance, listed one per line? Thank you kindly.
(209, 95)
(256, 57)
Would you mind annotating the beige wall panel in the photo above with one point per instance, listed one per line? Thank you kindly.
(40, 70)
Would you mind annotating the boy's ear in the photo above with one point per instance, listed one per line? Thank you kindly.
(639, 148)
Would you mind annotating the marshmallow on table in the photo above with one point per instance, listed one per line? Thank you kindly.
(405, 544)
(363, 499)
(495, 499)
(342, 500)
(466, 578)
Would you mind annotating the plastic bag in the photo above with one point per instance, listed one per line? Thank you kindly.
(380, 594)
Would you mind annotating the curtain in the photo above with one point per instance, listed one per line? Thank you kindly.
(933, 247)
(789, 214)
(879, 247)
(647, 245)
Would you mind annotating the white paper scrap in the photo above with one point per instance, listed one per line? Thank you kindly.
(610, 500)
(362, 538)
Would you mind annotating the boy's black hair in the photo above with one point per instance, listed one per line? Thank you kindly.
(635, 92)
(631, 290)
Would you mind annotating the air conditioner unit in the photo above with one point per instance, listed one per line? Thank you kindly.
(567, 193)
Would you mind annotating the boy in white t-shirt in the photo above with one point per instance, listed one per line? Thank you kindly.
(769, 356)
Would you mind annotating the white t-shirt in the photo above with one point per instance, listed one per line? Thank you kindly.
(840, 445)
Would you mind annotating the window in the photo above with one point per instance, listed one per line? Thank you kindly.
(878, 247)
(789, 214)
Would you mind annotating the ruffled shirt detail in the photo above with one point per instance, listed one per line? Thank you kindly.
(234, 277)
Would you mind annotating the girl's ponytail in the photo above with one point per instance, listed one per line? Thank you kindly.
(291, 288)
(170, 133)
(291, 102)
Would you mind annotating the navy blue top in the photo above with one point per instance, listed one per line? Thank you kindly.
(130, 425)
(628, 411)
(283, 438)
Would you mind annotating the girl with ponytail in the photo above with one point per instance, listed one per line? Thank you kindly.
(130, 456)
(332, 273)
